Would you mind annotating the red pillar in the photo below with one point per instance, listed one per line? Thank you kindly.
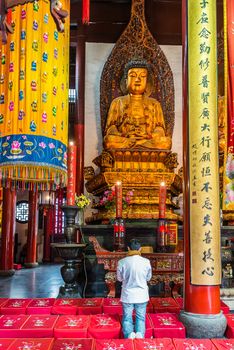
(201, 315)
(80, 110)
(8, 230)
(31, 258)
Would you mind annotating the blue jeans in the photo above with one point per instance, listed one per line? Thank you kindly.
(127, 321)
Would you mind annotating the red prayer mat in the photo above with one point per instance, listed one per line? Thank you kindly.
(104, 327)
(114, 344)
(167, 326)
(223, 344)
(165, 305)
(194, 344)
(153, 344)
(10, 325)
(230, 326)
(112, 306)
(89, 306)
(73, 344)
(40, 306)
(72, 326)
(64, 307)
(32, 344)
(15, 306)
(224, 307)
(39, 326)
(5, 343)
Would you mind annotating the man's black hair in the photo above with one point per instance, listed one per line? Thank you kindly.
(134, 244)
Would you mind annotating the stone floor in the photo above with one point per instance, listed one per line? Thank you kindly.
(40, 282)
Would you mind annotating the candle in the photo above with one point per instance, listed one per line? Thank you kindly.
(119, 199)
(162, 200)
(71, 174)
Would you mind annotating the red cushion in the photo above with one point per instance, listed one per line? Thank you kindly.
(223, 344)
(150, 344)
(40, 306)
(39, 326)
(224, 307)
(104, 327)
(112, 306)
(72, 326)
(32, 343)
(148, 326)
(180, 302)
(10, 325)
(230, 326)
(81, 344)
(64, 307)
(5, 343)
(191, 344)
(89, 306)
(165, 305)
(167, 325)
(15, 306)
(114, 344)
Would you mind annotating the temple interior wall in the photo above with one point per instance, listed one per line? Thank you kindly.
(96, 56)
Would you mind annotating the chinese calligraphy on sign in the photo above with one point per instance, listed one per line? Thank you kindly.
(203, 144)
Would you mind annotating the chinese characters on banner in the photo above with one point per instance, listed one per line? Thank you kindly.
(203, 144)
(71, 175)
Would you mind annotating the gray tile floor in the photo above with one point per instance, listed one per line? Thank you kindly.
(40, 282)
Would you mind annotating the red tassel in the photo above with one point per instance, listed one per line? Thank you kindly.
(85, 11)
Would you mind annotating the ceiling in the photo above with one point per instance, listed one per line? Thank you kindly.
(108, 19)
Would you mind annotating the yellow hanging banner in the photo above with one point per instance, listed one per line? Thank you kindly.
(203, 144)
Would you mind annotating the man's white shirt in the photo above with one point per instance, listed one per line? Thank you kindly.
(134, 272)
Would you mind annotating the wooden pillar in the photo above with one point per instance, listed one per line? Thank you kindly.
(80, 109)
(31, 258)
(8, 231)
(201, 315)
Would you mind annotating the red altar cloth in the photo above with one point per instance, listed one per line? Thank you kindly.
(10, 325)
(114, 344)
(72, 326)
(104, 327)
(165, 305)
(15, 306)
(73, 344)
(151, 344)
(5, 343)
(39, 326)
(193, 344)
(32, 344)
(167, 326)
(64, 307)
(223, 344)
(89, 306)
(112, 306)
(40, 306)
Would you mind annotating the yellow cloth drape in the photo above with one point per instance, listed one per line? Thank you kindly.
(34, 98)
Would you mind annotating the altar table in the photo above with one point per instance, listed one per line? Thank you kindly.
(166, 267)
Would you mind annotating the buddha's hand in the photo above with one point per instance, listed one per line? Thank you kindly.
(58, 14)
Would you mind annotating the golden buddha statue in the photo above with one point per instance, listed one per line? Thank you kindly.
(136, 120)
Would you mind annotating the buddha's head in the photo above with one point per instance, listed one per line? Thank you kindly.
(136, 75)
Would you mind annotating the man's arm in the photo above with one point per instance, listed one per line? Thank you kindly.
(149, 273)
(119, 273)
